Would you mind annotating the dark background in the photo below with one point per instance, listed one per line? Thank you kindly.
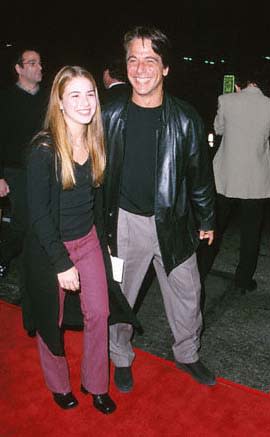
(87, 33)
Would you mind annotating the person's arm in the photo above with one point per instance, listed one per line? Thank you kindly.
(201, 181)
(219, 118)
(40, 168)
(1, 155)
(4, 188)
(39, 179)
(100, 227)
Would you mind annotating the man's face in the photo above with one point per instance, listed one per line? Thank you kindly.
(106, 78)
(145, 72)
(30, 72)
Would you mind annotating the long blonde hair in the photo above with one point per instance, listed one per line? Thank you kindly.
(56, 125)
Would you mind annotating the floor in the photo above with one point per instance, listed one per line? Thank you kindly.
(235, 342)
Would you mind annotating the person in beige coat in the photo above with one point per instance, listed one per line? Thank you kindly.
(242, 174)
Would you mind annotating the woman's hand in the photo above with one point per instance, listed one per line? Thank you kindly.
(69, 280)
(4, 188)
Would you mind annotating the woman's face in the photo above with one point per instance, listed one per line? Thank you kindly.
(78, 101)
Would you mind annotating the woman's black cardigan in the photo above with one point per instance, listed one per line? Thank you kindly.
(45, 255)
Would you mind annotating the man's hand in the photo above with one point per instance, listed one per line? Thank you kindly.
(204, 235)
(69, 280)
(4, 188)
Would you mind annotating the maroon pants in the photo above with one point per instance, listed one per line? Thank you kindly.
(87, 257)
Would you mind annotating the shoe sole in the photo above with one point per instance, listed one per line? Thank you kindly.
(68, 407)
(210, 383)
(123, 389)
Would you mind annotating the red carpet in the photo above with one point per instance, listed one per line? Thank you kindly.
(165, 402)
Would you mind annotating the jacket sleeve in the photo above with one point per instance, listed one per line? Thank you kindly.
(40, 167)
(200, 177)
(2, 137)
(219, 118)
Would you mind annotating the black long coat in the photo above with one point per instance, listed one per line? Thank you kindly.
(45, 255)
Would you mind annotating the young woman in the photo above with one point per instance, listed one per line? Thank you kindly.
(63, 255)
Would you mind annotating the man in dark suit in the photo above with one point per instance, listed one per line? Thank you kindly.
(22, 111)
(115, 80)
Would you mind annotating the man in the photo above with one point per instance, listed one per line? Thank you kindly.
(22, 110)
(115, 80)
(242, 173)
(158, 200)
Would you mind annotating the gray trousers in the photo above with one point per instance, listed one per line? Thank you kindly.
(138, 246)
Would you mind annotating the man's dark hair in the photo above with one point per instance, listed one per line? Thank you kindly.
(160, 42)
(117, 69)
(18, 56)
(248, 75)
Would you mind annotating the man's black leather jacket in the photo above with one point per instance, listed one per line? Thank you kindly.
(184, 189)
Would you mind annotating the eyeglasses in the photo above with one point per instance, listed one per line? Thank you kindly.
(32, 63)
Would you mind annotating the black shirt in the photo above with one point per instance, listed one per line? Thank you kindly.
(138, 177)
(22, 117)
(76, 205)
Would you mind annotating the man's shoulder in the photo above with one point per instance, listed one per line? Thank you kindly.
(182, 107)
(245, 97)
(8, 91)
(8, 99)
(228, 97)
(44, 91)
(230, 100)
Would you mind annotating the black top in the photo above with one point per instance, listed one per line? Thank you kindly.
(138, 177)
(76, 205)
(22, 117)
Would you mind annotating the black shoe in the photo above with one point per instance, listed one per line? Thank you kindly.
(101, 402)
(3, 269)
(250, 287)
(198, 371)
(104, 403)
(65, 401)
(123, 379)
(31, 333)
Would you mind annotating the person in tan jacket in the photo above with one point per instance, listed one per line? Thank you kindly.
(242, 173)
